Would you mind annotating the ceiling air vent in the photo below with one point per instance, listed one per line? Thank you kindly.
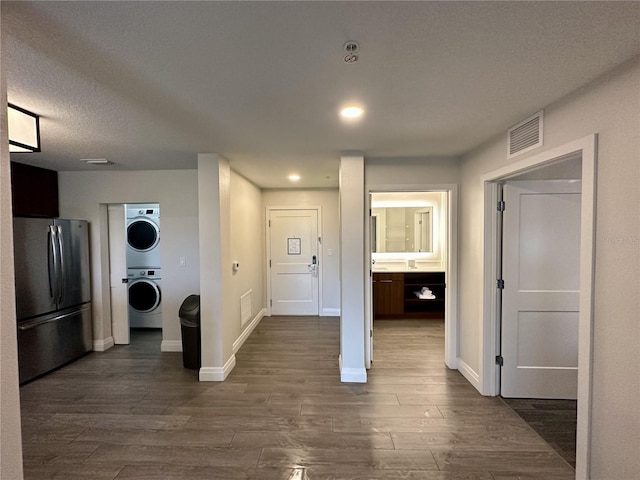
(525, 136)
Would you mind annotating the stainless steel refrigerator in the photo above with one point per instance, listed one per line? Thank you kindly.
(53, 293)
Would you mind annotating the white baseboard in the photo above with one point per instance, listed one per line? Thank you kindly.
(103, 345)
(171, 346)
(217, 374)
(247, 331)
(330, 312)
(469, 373)
(352, 375)
(453, 364)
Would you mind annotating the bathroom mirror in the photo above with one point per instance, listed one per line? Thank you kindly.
(402, 229)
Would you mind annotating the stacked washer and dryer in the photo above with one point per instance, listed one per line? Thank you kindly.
(143, 265)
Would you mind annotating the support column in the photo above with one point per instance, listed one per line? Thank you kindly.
(214, 222)
(352, 320)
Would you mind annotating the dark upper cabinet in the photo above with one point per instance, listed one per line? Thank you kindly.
(34, 191)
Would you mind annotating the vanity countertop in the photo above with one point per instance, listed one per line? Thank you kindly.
(400, 269)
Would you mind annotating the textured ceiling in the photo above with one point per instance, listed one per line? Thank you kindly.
(148, 85)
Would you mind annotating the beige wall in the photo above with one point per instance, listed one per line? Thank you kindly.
(329, 264)
(84, 194)
(247, 248)
(609, 107)
(410, 171)
(10, 438)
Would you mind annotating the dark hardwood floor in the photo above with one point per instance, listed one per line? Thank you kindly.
(135, 413)
(553, 420)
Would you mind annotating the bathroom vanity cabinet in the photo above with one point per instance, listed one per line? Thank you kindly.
(395, 295)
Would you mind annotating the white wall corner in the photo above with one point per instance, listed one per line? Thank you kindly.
(469, 373)
(248, 330)
(352, 270)
(330, 312)
(171, 346)
(103, 345)
(217, 374)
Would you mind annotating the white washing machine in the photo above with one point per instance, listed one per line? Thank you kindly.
(143, 236)
(145, 297)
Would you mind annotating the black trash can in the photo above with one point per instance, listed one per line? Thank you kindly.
(189, 314)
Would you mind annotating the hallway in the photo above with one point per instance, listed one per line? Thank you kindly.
(134, 413)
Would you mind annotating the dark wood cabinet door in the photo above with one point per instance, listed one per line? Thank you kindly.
(34, 191)
(388, 291)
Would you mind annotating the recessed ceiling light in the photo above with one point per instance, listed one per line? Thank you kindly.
(351, 112)
(294, 177)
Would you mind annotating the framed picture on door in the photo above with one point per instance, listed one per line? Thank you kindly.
(294, 246)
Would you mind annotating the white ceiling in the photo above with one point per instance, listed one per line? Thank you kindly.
(149, 85)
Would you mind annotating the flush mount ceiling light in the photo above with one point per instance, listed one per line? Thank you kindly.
(24, 130)
(294, 177)
(97, 161)
(351, 112)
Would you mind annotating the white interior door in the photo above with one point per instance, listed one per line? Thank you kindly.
(540, 301)
(294, 262)
(118, 275)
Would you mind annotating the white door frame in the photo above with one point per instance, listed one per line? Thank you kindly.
(586, 149)
(267, 242)
(118, 254)
(451, 268)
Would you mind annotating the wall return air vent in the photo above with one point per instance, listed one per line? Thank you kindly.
(525, 136)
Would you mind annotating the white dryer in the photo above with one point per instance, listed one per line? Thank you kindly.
(143, 236)
(145, 297)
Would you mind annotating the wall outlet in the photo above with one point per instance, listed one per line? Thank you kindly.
(182, 262)
(329, 252)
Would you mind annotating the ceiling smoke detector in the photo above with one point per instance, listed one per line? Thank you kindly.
(352, 48)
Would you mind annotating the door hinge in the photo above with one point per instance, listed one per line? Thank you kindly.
(500, 284)
(269, 263)
(501, 206)
(271, 303)
(499, 360)
(370, 333)
(370, 213)
(269, 223)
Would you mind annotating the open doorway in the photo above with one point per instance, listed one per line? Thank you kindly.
(548, 166)
(412, 273)
(135, 272)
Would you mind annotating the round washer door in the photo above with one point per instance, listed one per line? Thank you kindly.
(143, 234)
(144, 295)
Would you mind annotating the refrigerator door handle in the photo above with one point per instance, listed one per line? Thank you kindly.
(63, 275)
(53, 284)
(36, 322)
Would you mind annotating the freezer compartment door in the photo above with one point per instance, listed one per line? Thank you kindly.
(35, 272)
(48, 342)
(73, 245)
